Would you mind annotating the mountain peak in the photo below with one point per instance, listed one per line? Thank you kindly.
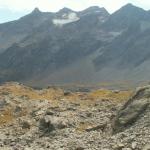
(130, 6)
(95, 9)
(65, 10)
(92, 9)
(36, 10)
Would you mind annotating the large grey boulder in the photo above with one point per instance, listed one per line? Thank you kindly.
(132, 110)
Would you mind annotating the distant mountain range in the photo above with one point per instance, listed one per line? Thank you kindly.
(85, 47)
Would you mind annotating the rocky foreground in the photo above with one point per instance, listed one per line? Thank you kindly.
(57, 119)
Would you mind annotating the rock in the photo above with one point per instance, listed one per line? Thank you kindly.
(118, 146)
(50, 123)
(25, 125)
(67, 93)
(96, 127)
(146, 147)
(134, 145)
(3, 103)
(61, 123)
(18, 109)
(6, 148)
(79, 148)
(132, 110)
(48, 112)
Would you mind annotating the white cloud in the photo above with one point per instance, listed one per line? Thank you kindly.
(55, 5)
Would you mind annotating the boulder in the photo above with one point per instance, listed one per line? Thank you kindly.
(3, 103)
(132, 110)
(25, 125)
(49, 123)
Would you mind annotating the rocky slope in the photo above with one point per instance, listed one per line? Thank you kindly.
(84, 47)
(55, 41)
(54, 119)
(127, 56)
(15, 31)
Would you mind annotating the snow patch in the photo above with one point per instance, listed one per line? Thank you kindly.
(67, 18)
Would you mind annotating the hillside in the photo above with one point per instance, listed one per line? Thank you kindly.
(57, 41)
(55, 118)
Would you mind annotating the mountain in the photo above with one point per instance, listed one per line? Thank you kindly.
(127, 56)
(55, 41)
(126, 16)
(87, 47)
(15, 31)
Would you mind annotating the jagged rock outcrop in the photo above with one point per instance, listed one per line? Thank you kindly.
(133, 109)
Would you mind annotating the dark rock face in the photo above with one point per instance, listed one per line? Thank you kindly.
(16, 31)
(132, 110)
(127, 56)
(125, 50)
(124, 17)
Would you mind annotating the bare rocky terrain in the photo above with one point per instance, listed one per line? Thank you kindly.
(58, 119)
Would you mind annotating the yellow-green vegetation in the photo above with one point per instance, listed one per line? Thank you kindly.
(22, 91)
(56, 93)
(83, 126)
(6, 116)
(55, 96)
(111, 95)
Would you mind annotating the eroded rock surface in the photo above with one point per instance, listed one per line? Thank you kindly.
(133, 109)
(50, 120)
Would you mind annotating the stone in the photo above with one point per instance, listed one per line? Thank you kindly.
(146, 147)
(67, 93)
(3, 103)
(118, 146)
(48, 112)
(96, 127)
(50, 123)
(79, 148)
(131, 111)
(18, 108)
(25, 125)
(134, 145)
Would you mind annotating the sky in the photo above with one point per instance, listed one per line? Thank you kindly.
(14, 9)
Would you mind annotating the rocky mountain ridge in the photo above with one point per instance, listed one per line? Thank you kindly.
(85, 47)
